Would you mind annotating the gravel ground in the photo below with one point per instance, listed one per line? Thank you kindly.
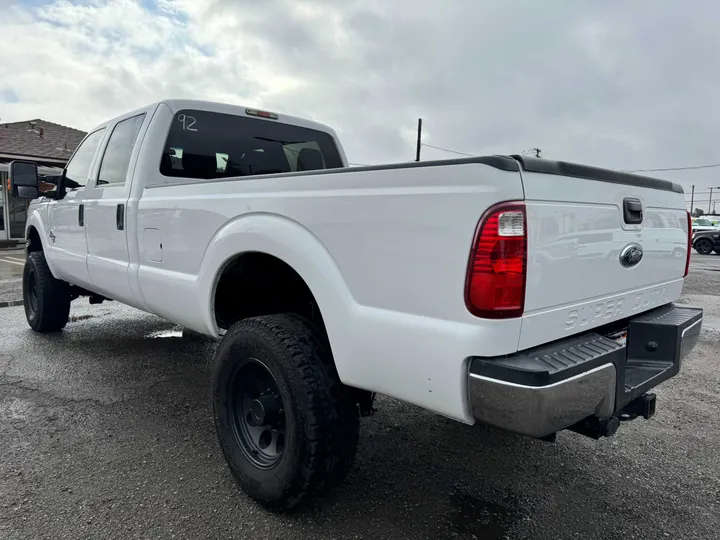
(106, 432)
(10, 290)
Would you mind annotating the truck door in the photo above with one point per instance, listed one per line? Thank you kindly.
(106, 212)
(66, 242)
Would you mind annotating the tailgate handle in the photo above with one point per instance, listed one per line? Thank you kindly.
(632, 211)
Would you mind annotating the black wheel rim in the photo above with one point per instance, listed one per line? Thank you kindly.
(257, 413)
(32, 291)
(704, 247)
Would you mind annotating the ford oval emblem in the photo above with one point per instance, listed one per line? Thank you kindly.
(631, 255)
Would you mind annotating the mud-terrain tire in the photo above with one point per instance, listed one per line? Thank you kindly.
(287, 426)
(46, 299)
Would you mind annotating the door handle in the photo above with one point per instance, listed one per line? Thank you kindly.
(81, 215)
(120, 217)
(632, 211)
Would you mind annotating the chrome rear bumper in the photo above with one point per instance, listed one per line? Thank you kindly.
(556, 386)
(538, 411)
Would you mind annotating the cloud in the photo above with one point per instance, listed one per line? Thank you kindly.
(616, 84)
(79, 64)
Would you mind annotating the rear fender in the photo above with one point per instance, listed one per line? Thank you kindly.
(298, 247)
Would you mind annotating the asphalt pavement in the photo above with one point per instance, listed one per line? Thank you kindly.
(106, 432)
(11, 263)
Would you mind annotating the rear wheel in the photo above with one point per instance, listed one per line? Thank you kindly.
(287, 426)
(704, 246)
(46, 299)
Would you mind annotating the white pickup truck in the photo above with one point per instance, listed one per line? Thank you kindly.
(527, 294)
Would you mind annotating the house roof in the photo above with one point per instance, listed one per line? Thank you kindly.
(5, 167)
(39, 138)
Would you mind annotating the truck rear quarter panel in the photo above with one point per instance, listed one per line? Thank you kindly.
(385, 253)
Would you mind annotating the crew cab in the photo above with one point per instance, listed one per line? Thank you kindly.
(527, 294)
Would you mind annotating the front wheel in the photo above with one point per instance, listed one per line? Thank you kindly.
(46, 299)
(704, 246)
(287, 426)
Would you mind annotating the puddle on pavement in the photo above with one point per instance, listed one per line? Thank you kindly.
(10, 272)
(171, 333)
(11, 265)
(474, 518)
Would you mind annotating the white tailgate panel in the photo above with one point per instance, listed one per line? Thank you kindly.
(575, 279)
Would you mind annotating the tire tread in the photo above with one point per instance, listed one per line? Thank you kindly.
(330, 421)
(53, 296)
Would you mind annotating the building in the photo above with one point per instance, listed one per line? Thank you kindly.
(47, 144)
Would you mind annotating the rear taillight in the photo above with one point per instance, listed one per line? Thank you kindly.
(689, 244)
(495, 287)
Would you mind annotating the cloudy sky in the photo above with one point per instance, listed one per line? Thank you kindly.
(622, 84)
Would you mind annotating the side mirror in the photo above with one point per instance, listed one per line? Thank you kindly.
(24, 179)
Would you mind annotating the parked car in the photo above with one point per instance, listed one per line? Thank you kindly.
(701, 224)
(705, 242)
(444, 283)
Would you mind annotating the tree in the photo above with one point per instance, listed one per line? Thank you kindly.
(697, 212)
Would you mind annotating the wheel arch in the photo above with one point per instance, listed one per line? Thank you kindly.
(267, 285)
(292, 245)
(34, 242)
(35, 235)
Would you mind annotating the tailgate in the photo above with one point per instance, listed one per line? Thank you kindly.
(602, 246)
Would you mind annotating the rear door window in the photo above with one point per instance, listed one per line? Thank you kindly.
(207, 145)
(116, 160)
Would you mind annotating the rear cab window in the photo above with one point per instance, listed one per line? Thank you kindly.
(209, 145)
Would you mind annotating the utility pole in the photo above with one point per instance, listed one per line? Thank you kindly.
(692, 198)
(419, 140)
(710, 200)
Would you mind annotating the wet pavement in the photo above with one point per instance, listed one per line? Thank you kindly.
(106, 432)
(705, 262)
(12, 263)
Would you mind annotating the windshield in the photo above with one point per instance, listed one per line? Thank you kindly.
(703, 222)
(206, 145)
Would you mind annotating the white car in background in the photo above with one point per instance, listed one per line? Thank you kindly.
(703, 225)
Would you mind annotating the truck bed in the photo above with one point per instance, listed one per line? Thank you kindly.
(385, 250)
